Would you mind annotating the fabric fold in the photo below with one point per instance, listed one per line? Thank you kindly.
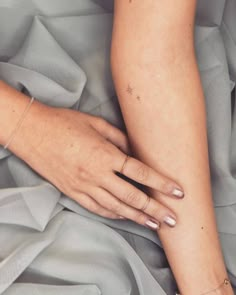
(58, 52)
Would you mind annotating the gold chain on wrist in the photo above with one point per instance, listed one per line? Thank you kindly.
(224, 283)
(19, 123)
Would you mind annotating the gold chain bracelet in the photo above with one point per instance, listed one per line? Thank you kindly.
(224, 283)
(19, 123)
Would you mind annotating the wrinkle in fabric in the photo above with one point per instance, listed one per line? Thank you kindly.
(58, 51)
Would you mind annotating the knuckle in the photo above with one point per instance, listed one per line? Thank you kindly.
(142, 173)
(83, 173)
(103, 153)
(165, 186)
(140, 217)
(93, 207)
(132, 197)
(104, 149)
(115, 207)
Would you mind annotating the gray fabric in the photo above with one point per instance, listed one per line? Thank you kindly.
(58, 52)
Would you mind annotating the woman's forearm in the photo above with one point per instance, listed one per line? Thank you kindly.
(158, 85)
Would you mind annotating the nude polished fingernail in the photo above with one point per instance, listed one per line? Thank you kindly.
(177, 193)
(152, 224)
(170, 221)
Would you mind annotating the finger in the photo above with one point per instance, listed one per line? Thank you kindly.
(91, 205)
(115, 205)
(142, 173)
(113, 134)
(135, 198)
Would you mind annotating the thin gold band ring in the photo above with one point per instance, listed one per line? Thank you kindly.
(123, 166)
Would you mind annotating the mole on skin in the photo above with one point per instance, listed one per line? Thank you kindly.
(129, 89)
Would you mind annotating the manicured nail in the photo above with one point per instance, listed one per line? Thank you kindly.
(152, 224)
(178, 193)
(170, 221)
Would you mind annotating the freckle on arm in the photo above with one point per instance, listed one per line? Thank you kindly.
(129, 89)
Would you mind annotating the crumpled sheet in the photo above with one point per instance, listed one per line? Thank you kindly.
(58, 51)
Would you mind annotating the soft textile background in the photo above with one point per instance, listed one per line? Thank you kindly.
(58, 51)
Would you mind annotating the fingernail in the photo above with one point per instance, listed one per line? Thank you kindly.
(152, 224)
(122, 217)
(178, 193)
(170, 221)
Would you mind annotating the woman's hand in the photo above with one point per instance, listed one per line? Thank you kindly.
(80, 153)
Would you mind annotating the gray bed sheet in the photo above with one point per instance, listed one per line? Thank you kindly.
(58, 51)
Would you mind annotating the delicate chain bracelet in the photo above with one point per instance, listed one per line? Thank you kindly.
(225, 283)
(19, 123)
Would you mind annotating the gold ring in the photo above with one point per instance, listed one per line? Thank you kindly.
(146, 204)
(123, 166)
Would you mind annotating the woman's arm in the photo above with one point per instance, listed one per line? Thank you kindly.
(79, 154)
(158, 85)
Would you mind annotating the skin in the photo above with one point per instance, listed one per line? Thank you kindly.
(80, 154)
(58, 138)
(160, 93)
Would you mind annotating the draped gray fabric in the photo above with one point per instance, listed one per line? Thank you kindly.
(58, 51)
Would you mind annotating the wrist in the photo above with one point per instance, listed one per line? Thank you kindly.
(222, 287)
(31, 132)
(13, 104)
